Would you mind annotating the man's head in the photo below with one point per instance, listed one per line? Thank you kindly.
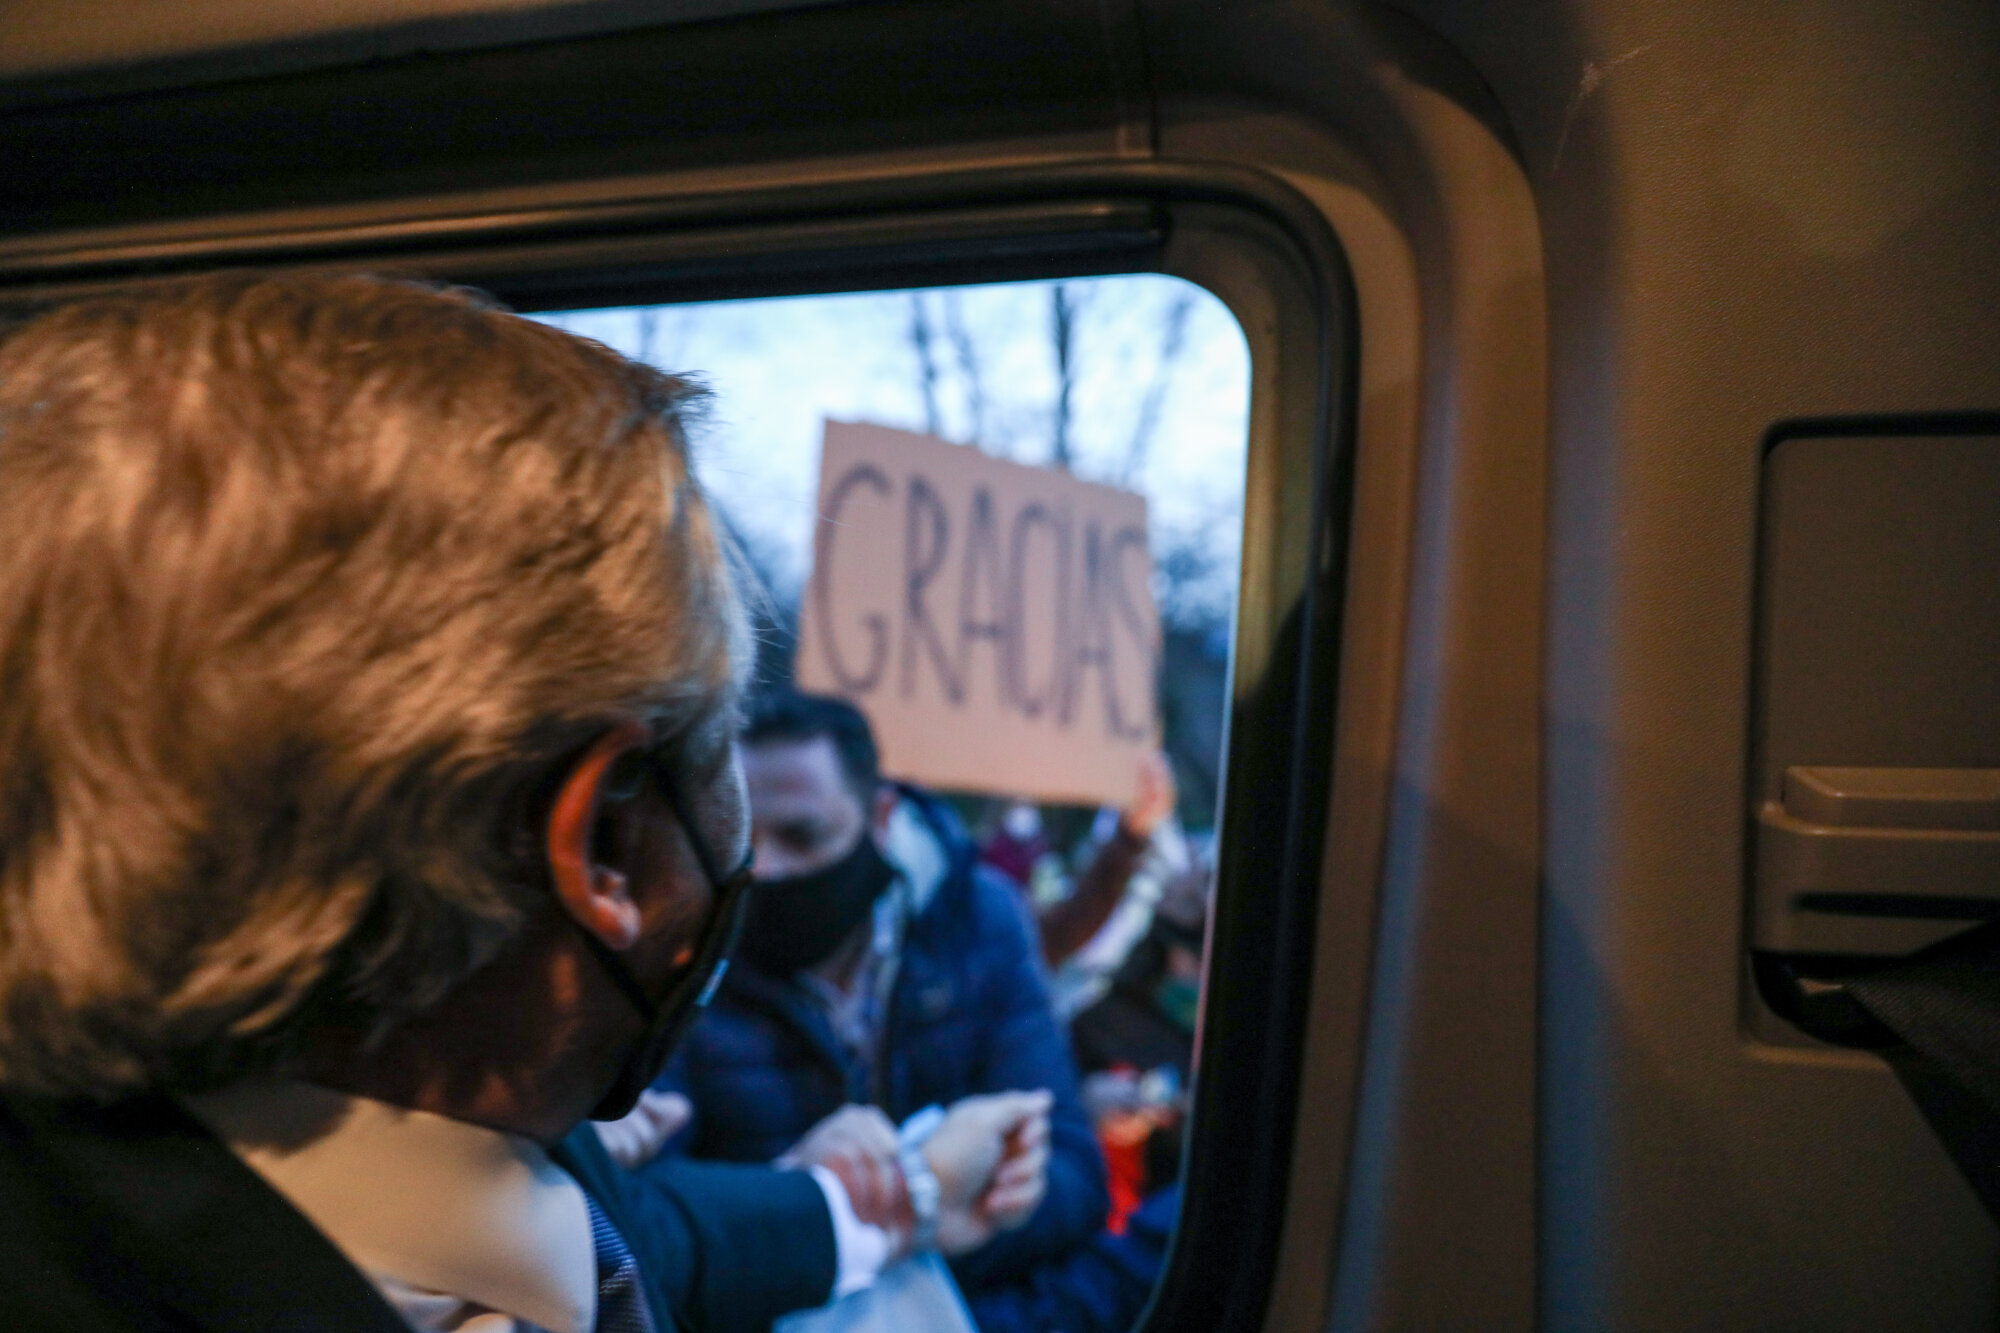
(817, 809)
(321, 597)
(814, 778)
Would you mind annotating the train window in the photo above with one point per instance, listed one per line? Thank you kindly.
(1005, 522)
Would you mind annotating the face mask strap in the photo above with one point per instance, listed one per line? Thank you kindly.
(621, 976)
(727, 923)
(731, 890)
(664, 1019)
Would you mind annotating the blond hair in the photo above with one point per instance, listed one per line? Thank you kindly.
(306, 583)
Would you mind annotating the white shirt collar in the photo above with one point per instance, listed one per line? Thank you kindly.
(420, 1200)
(913, 848)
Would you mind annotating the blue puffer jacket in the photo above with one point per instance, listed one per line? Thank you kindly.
(1101, 1287)
(969, 1013)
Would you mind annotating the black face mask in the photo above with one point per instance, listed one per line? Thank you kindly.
(795, 923)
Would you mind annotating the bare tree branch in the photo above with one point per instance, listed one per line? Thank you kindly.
(663, 332)
(1173, 337)
(968, 366)
(1063, 306)
(921, 338)
(649, 329)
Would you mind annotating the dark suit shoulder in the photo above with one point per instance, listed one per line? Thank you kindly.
(728, 1247)
(133, 1216)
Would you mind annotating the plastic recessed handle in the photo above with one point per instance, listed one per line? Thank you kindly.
(1902, 798)
(1876, 861)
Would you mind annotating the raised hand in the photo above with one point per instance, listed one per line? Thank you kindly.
(1154, 799)
(1022, 1177)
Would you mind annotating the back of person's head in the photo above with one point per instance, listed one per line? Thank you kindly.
(309, 583)
(785, 715)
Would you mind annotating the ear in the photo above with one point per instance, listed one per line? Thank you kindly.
(589, 883)
(886, 800)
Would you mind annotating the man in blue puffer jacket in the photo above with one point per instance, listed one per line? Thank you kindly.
(881, 965)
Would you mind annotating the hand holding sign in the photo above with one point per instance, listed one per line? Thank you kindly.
(1154, 800)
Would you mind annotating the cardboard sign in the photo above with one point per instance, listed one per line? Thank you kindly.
(995, 621)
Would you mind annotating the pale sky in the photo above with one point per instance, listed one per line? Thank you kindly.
(778, 367)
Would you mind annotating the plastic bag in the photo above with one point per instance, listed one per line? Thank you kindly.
(914, 1295)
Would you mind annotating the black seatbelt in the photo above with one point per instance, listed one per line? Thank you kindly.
(1939, 1012)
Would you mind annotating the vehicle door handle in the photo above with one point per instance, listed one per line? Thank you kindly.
(1875, 861)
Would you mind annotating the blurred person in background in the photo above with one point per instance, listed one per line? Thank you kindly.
(881, 966)
(1089, 926)
(1069, 914)
(1136, 1046)
(1145, 1018)
(1019, 847)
